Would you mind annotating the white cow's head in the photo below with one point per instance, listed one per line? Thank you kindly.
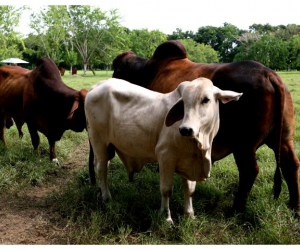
(198, 108)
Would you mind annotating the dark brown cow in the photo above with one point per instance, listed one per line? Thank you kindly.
(42, 100)
(74, 71)
(61, 70)
(264, 114)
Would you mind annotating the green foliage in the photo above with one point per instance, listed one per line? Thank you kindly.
(222, 39)
(93, 32)
(83, 34)
(200, 53)
(50, 26)
(268, 50)
(143, 42)
(180, 35)
(71, 58)
(286, 32)
(10, 39)
(294, 45)
(262, 28)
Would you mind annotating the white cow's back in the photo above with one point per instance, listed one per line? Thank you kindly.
(128, 116)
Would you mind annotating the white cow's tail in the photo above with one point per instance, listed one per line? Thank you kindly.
(91, 165)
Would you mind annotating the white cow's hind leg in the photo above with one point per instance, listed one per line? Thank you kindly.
(102, 167)
(188, 190)
(101, 161)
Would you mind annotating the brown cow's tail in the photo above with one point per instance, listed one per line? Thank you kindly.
(279, 106)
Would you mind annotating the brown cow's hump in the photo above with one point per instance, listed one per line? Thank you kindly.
(123, 55)
(170, 49)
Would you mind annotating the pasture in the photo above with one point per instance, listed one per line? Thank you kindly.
(41, 203)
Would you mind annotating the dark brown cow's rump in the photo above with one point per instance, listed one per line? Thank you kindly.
(263, 115)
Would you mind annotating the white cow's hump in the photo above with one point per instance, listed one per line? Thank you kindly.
(123, 88)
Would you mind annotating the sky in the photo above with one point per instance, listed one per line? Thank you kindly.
(167, 15)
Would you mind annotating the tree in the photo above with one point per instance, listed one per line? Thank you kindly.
(32, 52)
(200, 53)
(269, 50)
(10, 39)
(262, 28)
(93, 31)
(287, 32)
(222, 39)
(50, 24)
(208, 35)
(294, 45)
(70, 58)
(179, 34)
(143, 42)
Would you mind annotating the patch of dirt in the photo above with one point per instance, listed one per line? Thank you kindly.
(27, 218)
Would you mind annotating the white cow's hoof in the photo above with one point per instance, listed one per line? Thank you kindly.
(170, 221)
(190, 215)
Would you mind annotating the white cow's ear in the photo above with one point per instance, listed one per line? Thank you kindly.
(226, 95)
(175, 114)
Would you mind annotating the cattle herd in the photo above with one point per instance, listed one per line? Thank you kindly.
(163, 109)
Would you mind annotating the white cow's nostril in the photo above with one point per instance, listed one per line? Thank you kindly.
(184, 131)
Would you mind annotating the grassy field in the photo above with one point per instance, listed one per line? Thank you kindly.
(133, 216)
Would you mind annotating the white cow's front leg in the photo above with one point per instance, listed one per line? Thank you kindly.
(166, 186)
(188, 190)
(102, 167)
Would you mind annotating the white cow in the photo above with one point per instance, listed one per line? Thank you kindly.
(142, 127)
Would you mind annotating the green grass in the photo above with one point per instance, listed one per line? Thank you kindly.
(133, 215)
(81, 81)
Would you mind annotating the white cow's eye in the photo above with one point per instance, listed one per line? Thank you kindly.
(205, 100)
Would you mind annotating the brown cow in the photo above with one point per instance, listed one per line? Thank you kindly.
(61, 70)
(42, 100)
(263, 116)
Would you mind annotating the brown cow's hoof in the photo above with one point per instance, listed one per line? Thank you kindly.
(56, 161)
(239, 206)
(295, 207)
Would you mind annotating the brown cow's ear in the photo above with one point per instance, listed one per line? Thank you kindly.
(175, 114)
(82, 94)
(74, 107)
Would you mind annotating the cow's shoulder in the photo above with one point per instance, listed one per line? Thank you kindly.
(170, 50)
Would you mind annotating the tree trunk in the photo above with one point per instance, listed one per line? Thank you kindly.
(91, 67)
(84, 68)
(71, 70)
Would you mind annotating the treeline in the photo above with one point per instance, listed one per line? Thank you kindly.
(86, 37)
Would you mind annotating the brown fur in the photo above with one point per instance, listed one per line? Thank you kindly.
(41, 99)
(264, 115)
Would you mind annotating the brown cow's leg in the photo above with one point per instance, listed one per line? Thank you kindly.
(2, 126)
(52, 152)
(19, 127)
(35, 139)
(248, 170)
(9, 122)
(290, 170)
